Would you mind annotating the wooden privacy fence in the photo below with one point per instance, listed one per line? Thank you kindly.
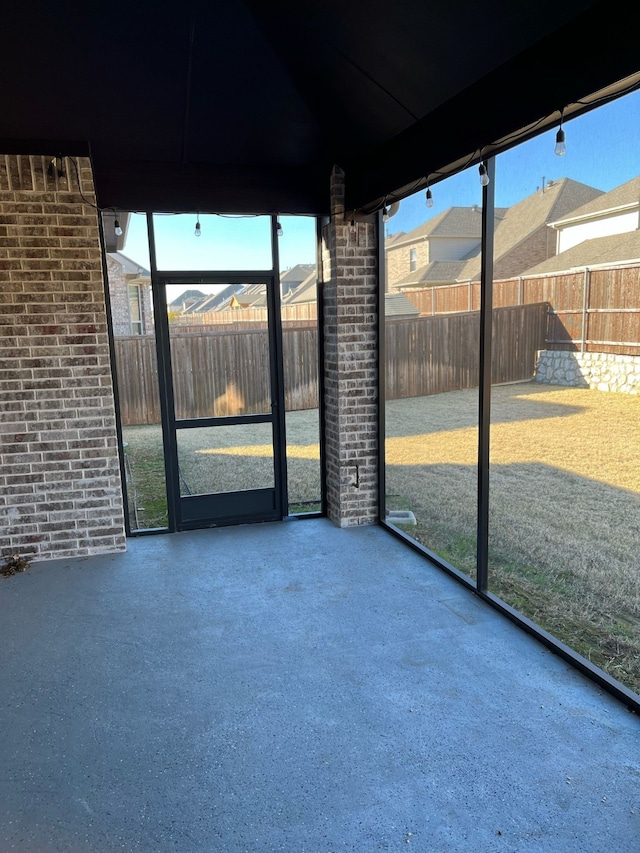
(227, 373)
(217, 374)
(593, 310)
(430, 355)
(299, 313)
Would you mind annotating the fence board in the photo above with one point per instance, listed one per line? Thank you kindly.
(574, 298)
(431, 355)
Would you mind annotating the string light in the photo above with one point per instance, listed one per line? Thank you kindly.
(197, 231)
(429, 197)
(484, 178)
(117, 227)
(560, 148)
(279, 229)
(385, 214)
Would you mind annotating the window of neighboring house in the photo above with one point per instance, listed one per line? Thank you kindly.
(413, 260)
(135, 309)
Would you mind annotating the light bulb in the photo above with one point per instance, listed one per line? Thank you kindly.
(385, 214)
(561, 148)
(279, 229)
(429, 198)
(197, 231)
(484, 178)
(117, 228)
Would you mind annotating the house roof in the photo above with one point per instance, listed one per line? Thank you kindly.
(129, 267)
(620, 196)
(290, 279)
(328, 82)
(436, 272)
(186, 296)
(514, 225)
(612, 249)
(213, 301)
(398, 305)
(525, 218)
(459, 222)
(306, 291)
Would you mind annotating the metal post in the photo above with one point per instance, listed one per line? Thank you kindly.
(276, 372)
(382, 371)
(165, 386)
(484, 403)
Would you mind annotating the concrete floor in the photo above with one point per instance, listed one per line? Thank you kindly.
(294, 687)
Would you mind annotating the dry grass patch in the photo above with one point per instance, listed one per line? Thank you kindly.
(564, 499)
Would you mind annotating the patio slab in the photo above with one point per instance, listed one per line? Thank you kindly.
(294, 687)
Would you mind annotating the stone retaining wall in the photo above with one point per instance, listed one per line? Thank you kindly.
(600, 371)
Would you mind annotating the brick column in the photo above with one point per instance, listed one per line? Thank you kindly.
(60, 491)
(349, 274)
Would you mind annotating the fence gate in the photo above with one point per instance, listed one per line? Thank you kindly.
(223, 414)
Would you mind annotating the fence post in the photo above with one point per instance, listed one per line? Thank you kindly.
(520, 290)
(433, 301)
(585, 309)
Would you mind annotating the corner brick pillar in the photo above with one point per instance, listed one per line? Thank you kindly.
(349, 274)
(60, 491)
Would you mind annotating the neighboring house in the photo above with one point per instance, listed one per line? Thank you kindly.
(523, 237)
(615, 212)
(186, 299)
(291, 279)
(305, 290)
(612, 250)
(602, 232)
(214, 301)
(129, 296)
(451, 236)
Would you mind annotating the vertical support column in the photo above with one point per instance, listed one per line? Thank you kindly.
(60, 486)
(486, 330)
(349, 275)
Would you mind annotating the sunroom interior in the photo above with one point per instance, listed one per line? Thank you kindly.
(441, 416)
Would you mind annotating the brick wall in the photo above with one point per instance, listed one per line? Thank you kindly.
(349, 277)
(118, 298)
(60, 489)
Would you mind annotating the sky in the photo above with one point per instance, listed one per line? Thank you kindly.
(602, 151)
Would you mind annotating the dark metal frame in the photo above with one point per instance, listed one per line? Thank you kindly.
(114, 377)
(229, 507)
(175, 502)
(320, 223)
(480, 587)
(382, 370)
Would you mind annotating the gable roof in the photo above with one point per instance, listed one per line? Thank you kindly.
(187, 296)
(436, 272)
(457, 222)
(129, 267)
(306, 291)
(524, 218)
(620, 196)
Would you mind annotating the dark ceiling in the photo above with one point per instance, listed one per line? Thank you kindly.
(244, 106)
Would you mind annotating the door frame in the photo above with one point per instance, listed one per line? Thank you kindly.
(222, 508)
(249, 505)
